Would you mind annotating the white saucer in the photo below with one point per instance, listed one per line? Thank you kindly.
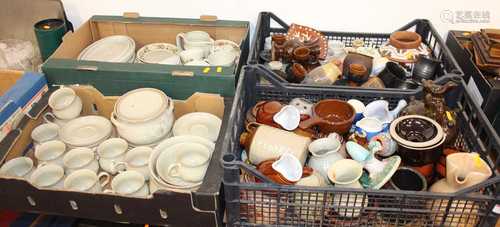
(85, 131)
(156, 52)
(201, 124)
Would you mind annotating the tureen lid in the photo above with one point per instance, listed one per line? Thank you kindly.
(141, 104)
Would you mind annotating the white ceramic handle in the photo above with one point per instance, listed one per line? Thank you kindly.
(115, 165)
(106, 178)
(114, 121)
(173, 170)
(179, 39)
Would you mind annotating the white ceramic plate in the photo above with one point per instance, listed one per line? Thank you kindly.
(158, 150)
(84, 131)
(117, 48)
(156, 52)
(201, 124)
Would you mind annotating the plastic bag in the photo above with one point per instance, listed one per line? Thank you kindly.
(17, 54)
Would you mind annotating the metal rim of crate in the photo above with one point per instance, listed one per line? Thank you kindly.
(253, 56)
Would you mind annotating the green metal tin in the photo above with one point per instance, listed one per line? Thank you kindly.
(49, 35)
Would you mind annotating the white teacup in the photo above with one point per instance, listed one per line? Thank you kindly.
(189, 55)
(80, 158)
(50, 152)
(48, 176)
(221, 58)
(111, 151)
(85, 180)
(129, 183)
(20, 167)
(136, 159)
(190, 166)
(195, 39)
(45, 132)
(65, 103)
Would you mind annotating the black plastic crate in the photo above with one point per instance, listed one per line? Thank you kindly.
(249, 204)
(429, 34)
(488, 88)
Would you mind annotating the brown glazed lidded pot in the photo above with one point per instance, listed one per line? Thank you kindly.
(331, 115)
(405, 40)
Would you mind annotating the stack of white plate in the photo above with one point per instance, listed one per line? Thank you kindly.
(116, 48)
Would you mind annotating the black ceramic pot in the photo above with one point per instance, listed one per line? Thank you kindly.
(394, 76)
(425, 68)
(408, 179)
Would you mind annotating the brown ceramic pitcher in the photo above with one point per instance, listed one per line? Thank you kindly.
(266, 168)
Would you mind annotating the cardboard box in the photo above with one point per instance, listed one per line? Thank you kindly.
(19, 91)
(202, 207)
(115, 78)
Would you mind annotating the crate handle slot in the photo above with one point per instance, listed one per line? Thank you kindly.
(73, 204)
(163, 214)
(118, 209)
(91, 68)
(182, 73)
(31, 201)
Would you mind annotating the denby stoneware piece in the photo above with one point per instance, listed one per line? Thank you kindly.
(304, 106)
(51, 118)
(324, 152)
(50, 152)
(80, 158)
(129, 183)
(143, 116)
(195, 39)
(85, 180)
(48, 176)
(45, 132)
(404, 47)
(462, 170)
(345, 173)
(380, 171)
(164, 147)
(263, 143)
(369, 126)
(136, 159)
(383, 145)
(288, 117)
(111, 151)
(408, 179)
(419, 139)
(359, 107)
(86, 131)
(425, 68)
(65, 103)
(20, 167)
(201, 124)
(158, 53)
(189, 163)
(116, 48)
(379, 109)
(331, 115)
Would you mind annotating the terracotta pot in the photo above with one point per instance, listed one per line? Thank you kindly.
(266, 168)
(279, 39)
(301, 54)
(296, 73)
(265, 112)
(357, 58)
(331, 115)
(278, 52)
(358, 73)
(405, 40)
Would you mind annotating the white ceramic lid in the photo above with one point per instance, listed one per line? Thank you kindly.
(85, 131)
(141, 105)
(117, 48)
